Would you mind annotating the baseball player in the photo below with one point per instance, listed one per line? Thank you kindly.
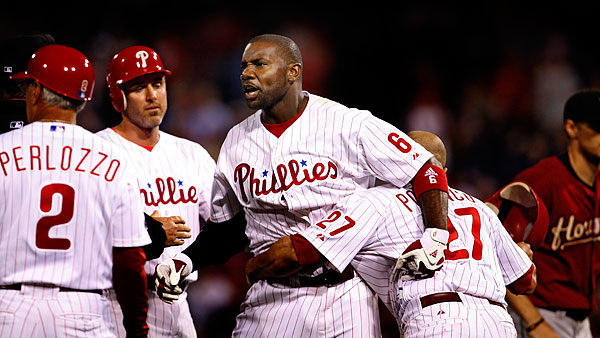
(567, 260)
(291, 162)
(70, 215)
(371, 229)
(174, 175)
(15, 52)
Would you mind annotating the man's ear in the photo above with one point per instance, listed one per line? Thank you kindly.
(36, 89)
(294, 72)
(571, 129)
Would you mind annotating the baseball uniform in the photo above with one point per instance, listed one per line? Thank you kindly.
(568, 261)
(175, 178)
(68, 198)
(283, 182)
(372, 228)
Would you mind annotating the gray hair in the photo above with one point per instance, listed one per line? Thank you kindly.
(54, 99)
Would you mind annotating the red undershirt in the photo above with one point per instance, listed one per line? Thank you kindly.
(278, 128)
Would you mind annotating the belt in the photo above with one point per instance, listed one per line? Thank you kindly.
(328, 278)
(575, 314)
(443, 297)
(60, 289)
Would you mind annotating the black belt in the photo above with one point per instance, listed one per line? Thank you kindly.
(328, 278)
(443, 297)
(575, 314)
(60, 289)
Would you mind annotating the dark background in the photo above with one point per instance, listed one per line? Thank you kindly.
(490, 79)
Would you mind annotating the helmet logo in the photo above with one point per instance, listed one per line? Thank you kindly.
(142, 55)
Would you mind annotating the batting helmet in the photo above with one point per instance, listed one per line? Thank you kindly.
(522, 212)
(62, 69)
(128, 64)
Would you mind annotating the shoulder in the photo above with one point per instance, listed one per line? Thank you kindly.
(180, 144)
(320, 104)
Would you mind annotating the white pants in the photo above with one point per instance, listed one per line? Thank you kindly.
(349, 309)
(164, 320)
(562, 324)
(38, 311)
(473, 317)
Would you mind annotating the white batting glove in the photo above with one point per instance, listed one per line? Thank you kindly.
(423, 257)
(169, 276)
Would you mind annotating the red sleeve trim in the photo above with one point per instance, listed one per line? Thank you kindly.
(306, 252)
(523, 283)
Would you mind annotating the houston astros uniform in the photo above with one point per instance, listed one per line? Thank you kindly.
(283, 182)
(371, 229)
(68, 198)
(568, 260)
(174, 177)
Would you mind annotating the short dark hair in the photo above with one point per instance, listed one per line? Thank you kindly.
(584, 107)
(287, 47)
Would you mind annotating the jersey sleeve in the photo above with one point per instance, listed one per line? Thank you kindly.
(514, 262)
(345, 231)
(127, 219)
(224, 202)
(388, 153)
(206, 172)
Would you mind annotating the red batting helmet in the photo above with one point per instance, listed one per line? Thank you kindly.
(62, 69)
(128, 64)
(522, 212)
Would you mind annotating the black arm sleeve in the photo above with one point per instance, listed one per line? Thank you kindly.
(218, 242)
(158, 237)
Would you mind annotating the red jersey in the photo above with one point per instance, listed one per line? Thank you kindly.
(568, 261)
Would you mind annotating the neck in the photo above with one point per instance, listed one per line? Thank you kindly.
(55, 114)
(584, 169)
(286, 109)
(147, 137)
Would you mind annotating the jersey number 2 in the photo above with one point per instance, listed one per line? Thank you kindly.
(42, 234)
(477, 250)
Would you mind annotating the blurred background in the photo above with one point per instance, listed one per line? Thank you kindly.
(489, 79)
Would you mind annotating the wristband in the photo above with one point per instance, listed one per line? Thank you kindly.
(534, 325)
(430, 177)
(306, 252)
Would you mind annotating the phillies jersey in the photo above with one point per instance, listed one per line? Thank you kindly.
(568, 261)
(326, 154)
(372, 228)
(68, 198)
(175, 178)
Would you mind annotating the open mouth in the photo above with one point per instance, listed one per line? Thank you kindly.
(250, 91)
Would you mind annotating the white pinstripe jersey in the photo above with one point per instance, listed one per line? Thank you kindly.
(326, 154)
(68, 198)
(174, 178)
(372, 228)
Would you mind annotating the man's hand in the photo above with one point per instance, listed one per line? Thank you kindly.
(423, 257)
(527, 248)
(168, 278)
(175, 228)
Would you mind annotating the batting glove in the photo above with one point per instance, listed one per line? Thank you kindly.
(169, 276)
(423, 257)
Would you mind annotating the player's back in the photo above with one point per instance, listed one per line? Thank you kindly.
(67, 200)
(476, 248)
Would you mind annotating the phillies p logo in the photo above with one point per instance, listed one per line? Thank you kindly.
(142, 55)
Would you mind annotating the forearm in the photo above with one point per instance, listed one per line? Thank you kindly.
(130, 285)
(523, 307)
(434, 202)
(218, 242)
(280, 260)
(158, 237)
